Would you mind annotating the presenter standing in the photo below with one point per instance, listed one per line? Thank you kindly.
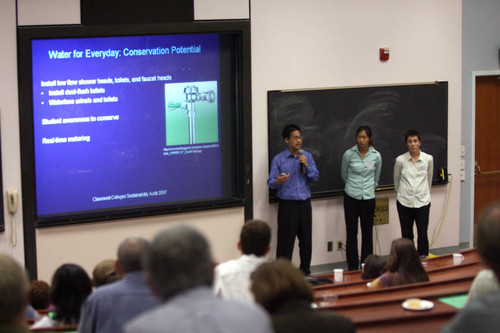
(290, 174)
(361, 166)
(412, 180)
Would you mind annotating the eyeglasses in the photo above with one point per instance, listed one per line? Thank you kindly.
(297, 137)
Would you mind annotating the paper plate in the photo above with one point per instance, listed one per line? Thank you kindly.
(424, 305)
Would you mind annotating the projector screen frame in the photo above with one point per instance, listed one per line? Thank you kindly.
(242, 145)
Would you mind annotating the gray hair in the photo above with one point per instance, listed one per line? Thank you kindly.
(131, 254)
(178, 260)
(14, 289)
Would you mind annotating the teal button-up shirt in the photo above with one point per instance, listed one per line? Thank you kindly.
(361, 175)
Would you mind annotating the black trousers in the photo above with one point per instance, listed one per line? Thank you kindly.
(364, 210)
(421, 217)
(295, 220)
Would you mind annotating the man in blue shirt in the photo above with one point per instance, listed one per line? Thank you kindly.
(111, 306)
(291, 172)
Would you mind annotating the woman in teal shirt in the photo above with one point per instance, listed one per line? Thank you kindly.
(361, 166)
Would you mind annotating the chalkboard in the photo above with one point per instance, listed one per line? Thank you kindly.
(329, 119)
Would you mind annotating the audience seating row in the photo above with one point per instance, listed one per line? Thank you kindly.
(381, 310)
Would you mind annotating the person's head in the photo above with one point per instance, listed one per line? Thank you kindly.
(178, 260)
(13, 291)
(488, 236)
(70, 287)
(404, 261)
(374, 266)
(39, 294)
(276, 282)
(413, 141)
(254, 238)
(131, 254)
(105, 272)
(364, 137)
(293, 137)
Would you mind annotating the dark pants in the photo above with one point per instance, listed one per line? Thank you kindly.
(295, 219)
(364, 210)
(421, 217)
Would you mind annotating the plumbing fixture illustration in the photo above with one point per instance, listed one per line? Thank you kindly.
(192, 96)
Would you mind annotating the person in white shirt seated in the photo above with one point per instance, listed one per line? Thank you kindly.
(232, 278)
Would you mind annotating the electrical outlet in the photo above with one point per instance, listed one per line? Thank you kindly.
(330, 246)
(339, 245)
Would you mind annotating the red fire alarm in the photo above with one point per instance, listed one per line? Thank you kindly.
(384, 53)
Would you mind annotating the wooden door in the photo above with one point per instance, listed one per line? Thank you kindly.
(487, 180)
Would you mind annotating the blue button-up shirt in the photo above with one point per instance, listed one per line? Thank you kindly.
(361, 175)
(109, 307)
(297, 186)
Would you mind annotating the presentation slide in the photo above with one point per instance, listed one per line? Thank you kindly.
(126, 121)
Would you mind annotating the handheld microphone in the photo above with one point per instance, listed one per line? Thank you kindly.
(302, 169)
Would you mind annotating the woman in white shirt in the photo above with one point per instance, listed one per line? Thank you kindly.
(412, 180)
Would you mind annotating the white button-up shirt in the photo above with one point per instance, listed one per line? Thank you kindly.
(413, 180)
(232, 278)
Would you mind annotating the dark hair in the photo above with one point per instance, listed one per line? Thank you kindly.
(69, 289)
(39, 295)
(104, 273)
(411, 133)
(404, 263)
(255, 237)
(131, 254)
(288, 129)
(488, 236)
(374, 266)
(178, 260)
(365, 129)
(274, 283)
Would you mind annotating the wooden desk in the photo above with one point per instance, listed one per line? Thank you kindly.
(430, 264)
(391, 317)
(334, 301)
(381, 311)
(438, 269)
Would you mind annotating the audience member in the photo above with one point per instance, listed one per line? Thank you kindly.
(374, 267)
(484, 284)
(283, 290)
(403, 266)
(13, 300)
(232, 278)
(111, 306)
(180, 272)
(69, 288)
(105, 272)
(482, 314)
(39, 294)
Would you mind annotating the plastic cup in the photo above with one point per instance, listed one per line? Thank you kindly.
(457, 258)
(338, 275)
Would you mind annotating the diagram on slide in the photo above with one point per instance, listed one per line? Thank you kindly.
(191, 113)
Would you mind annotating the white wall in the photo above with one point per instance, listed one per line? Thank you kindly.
(320, 43)
(295, 44)
(480, 50)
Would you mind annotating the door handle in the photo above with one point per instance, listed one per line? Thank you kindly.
(477, 170)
